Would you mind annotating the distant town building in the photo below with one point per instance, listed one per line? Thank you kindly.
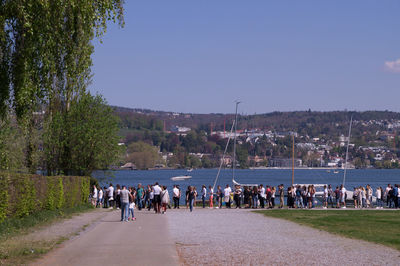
(284, 162)
(178, 129)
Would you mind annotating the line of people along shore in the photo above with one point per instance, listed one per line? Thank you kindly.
(156, 197)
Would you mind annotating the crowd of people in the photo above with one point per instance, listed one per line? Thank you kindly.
(156, 197)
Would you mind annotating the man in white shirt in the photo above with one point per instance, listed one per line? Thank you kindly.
(94, 195)
(343, 196)
(227, 196)
(176, 194)
(110, 193)
(203, 195)
(325, 198)
(262, 196)
(100, 198)
(157, 199)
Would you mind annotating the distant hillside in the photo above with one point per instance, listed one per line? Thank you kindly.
(198, 140)
(303, 122)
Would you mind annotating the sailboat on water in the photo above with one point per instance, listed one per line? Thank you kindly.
(234, 131)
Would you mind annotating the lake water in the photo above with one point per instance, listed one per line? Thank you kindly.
(273, 177)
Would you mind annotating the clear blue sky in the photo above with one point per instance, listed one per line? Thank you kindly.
(199, 56)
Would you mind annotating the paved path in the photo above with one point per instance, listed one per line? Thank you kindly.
(237, 237)
(145, 241)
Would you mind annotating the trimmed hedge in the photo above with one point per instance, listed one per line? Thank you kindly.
(22, 194)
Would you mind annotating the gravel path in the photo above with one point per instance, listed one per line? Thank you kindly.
(239, 237)
(109, 241)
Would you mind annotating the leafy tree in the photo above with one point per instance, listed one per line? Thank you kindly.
(143, 155)
(83, 139)
(12, 146)
(46, 49)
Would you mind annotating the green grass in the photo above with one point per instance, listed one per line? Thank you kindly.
(13, 226)
(382, 227)
(16, 250)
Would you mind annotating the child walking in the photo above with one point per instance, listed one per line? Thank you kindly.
(131, 206)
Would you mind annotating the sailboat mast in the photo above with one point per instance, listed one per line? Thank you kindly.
(234, 142)
(347, 151)
(292, 159)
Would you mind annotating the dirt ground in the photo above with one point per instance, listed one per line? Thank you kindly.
(22, 249)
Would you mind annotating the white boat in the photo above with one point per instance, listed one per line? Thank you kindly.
(181, 177)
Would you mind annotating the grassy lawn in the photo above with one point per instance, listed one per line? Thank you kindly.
(382, 227)
(16, 250)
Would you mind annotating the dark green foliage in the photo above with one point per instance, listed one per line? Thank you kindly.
(27, 194)
(4, 196)
(83, 139)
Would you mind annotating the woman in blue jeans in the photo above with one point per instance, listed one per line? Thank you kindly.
(254, 196)
(191, 196)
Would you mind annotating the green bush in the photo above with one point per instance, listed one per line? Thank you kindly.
(4, 196)
(27, 194)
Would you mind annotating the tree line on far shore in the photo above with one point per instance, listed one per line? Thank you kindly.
(147, 132)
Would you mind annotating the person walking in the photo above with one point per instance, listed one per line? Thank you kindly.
(355, 197)
(220, 195)
(330, 196)
(343, 196)
(398, 195)
(268, 196)
(246, 197)
(94, 196)
(117, 196)
(273, 192)
(164, 199)
(191, 196)
(176, 194)
(187, 196)
(110, 194)
(237, 196)
(99, 198)
(203, 195)
(325, 198)
(131, 210)
(105, 197)
(299, 197)
(211, 197)
(227, 196)
(124, 197)
(151, 198)
(140, 196)
(378, 194)
(261, 196)
(254, 197)
(157, 198)
(281, 195)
